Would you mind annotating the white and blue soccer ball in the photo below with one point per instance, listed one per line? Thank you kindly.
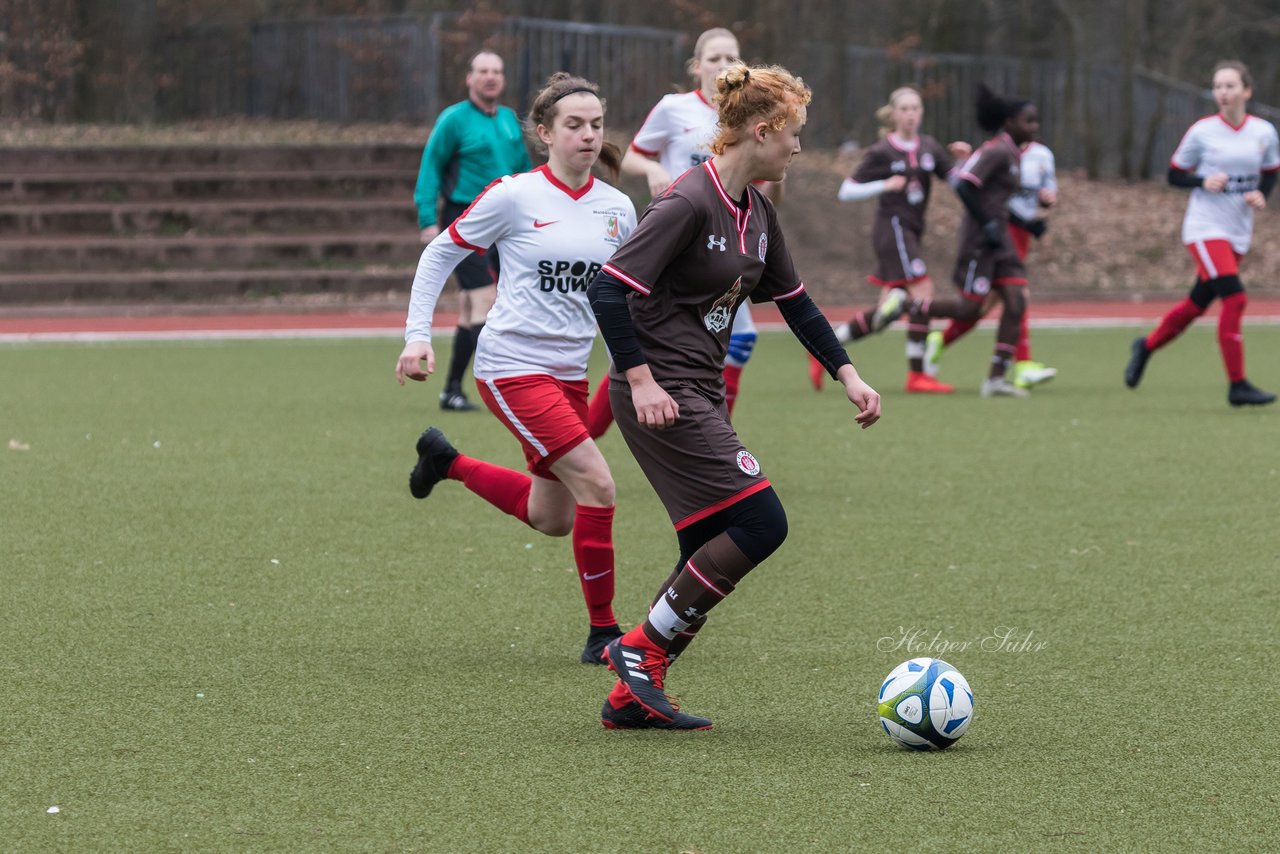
(925, 704)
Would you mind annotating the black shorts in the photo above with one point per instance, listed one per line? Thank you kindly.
(698, 466)
(976, 273)
(474, 271)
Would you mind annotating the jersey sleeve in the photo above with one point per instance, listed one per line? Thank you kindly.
(486, 220)
(1271, 150)
(983, 164)
(440, 148)
(1189, 151)
(874, 166)
(943, 162)
(656, 131)
(665, 230)
(779, 281)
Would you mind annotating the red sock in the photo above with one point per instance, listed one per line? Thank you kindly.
(1023, 353)
(1173, 323)
(732, 377)
(955, 330)
(1230, 339)
(600, 410)
(505, 489)
(593, 554)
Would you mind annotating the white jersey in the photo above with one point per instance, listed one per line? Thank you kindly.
(552, 241)
(678, 131)
(1037, 168)
(1243, 153)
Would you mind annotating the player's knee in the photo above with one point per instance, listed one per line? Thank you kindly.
(552, 521)
(969, 311)
(597, 489)
(1015, 301)
(760, 525)
(741, 345)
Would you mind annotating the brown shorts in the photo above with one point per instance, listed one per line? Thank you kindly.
(977, 272)
(898, 256)
(698, 465)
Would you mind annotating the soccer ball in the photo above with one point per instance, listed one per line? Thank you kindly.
(925, 704)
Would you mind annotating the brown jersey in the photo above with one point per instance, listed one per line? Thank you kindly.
(993, 169)
(918, 164)
(694, 257)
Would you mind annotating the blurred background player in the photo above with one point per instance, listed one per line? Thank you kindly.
(665, 302)
(1229, 160)
(898, 170)
(676, 136)
(555, 226)
(473, 143)
(987, 261)
(1038, 192)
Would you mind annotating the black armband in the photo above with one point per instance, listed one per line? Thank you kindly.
(813, 331)
(1267, 184)
(1183, 178)
(608, 298)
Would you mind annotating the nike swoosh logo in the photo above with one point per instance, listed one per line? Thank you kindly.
(586, 576)
(537, 224)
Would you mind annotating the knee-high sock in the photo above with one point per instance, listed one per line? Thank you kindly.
(464, 345)
(1230, 338)
(504, 488)
(599, 410)
(706, 578)
(732, 379)
(1023, 353)
(1173, 324)
(593, 554)
(956, 330)
(917, 331)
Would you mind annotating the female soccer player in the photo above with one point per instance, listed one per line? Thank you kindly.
(676, 136)
(987, 261)
(898, 169)
(1229, 160)
(1039, 190)
(554, 226)
(668, 342)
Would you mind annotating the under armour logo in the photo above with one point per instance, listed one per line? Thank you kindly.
(671, 591)
(714, 242)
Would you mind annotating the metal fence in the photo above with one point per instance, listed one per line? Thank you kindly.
(407, 68)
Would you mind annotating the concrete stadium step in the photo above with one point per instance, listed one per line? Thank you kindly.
(117, 185)
(226, 157)
(110, 254)
(395, 215)
(194, 285)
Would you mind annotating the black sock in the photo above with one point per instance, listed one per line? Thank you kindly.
(464, 344)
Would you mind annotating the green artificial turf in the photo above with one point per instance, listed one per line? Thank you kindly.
(225, 625)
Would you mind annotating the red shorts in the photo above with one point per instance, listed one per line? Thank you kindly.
(1021, 240)
(1214, 258)
(547, 415)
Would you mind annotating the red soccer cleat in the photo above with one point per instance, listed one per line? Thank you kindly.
(918, 382)
(816, 373)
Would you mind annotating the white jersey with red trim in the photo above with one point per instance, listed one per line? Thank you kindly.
(1038, 173)
(552, 241)
(1243, 153)
(678, 131)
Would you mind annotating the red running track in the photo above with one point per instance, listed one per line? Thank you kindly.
(329, 324)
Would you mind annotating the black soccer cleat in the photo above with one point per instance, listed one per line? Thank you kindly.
(633, 716)
(1245, 393)
(1137, 362)
(642, 671)
(435, 456)
(597, 640)
(456, 401)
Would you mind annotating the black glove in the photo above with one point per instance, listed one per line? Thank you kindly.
(1037, 227)
(993, 232)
